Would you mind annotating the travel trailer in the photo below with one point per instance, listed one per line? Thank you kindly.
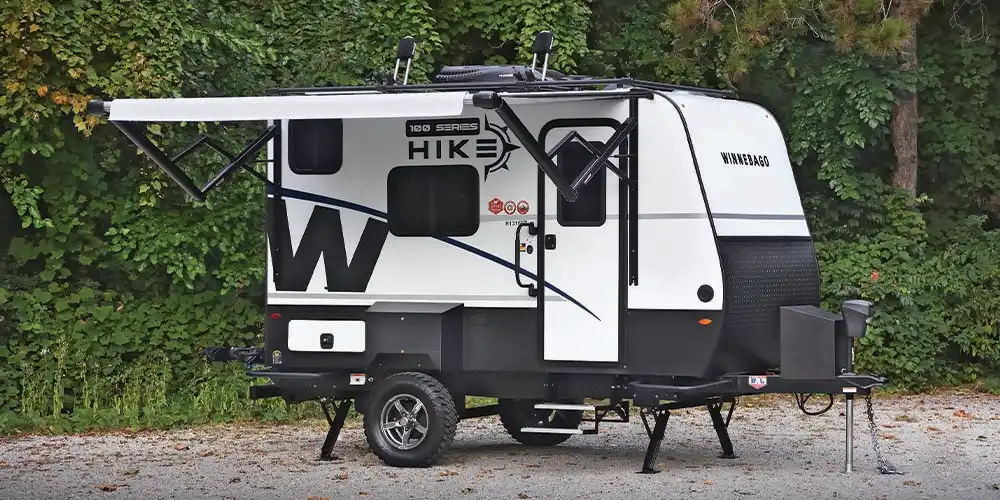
(571, 246)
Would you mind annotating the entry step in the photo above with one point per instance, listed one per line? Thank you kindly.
(550, 430)
(561, 406)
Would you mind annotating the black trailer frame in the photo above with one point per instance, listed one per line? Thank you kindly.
(656, 397)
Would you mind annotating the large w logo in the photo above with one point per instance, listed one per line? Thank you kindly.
(323, 235)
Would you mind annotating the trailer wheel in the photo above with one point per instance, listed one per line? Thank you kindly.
(410, 420)
(516, 413)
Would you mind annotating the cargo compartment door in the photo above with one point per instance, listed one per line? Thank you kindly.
(580, 242)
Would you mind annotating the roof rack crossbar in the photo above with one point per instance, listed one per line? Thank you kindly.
(169, 165)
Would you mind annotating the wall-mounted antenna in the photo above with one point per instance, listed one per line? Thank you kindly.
(543, 45)
(407, 48)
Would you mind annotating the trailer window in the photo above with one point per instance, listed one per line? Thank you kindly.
(590, 207)
(433, 200)
(315, 147)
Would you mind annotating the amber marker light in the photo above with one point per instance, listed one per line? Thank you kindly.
(704, 322)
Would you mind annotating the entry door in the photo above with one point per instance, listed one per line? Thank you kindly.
(581, 314)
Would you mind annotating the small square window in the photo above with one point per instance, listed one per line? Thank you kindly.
(315, 147)
(433, 200)
(590, 207)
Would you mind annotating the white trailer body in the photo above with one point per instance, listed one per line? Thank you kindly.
(741, 158)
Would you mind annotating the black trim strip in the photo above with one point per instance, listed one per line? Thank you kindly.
(633, 198)
(272, 219)
(628, 166)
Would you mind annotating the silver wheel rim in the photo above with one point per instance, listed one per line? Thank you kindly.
(404, 421)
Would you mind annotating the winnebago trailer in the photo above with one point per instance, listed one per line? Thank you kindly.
(526, 235)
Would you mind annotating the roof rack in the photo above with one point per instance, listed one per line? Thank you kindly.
(580, 84)
(523, 79)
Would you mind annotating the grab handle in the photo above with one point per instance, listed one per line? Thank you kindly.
(532, 230)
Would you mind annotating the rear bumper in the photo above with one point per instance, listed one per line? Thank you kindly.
(297, 386)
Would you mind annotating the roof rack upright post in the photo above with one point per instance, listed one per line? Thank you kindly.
(543, 45)
(407, 48)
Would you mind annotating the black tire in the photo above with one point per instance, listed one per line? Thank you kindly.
(516, 413)
(439, 419)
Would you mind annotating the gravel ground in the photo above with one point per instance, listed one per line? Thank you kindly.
(948, 446)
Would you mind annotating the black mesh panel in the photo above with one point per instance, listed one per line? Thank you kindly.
(760, 277)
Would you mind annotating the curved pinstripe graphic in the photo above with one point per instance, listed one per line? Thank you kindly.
(305, 196)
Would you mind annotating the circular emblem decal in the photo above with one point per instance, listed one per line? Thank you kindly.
(509, 208)
(522, 207)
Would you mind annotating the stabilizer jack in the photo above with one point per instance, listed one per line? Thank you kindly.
(722, 427)
(661, 416)
(336, 425)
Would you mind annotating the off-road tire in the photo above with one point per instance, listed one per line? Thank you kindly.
(442, 419)
(515, 414)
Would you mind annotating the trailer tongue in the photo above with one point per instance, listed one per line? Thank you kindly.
(529, 236)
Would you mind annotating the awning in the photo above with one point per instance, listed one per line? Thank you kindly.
(347, 106)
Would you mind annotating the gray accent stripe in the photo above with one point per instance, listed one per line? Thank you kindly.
(659, 216)
(654, 216)
(759, 216)
(404, 297)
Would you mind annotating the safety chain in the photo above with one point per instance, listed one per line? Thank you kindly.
(883, 465)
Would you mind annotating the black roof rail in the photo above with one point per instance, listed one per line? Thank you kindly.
(521, 86)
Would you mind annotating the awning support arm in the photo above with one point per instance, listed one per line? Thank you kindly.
(573, 134)
(138, 138)
(490, 100)
(570, 189)
(620, 136)
(169, 165)
(241, 159)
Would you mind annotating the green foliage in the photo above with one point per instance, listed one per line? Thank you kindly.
(110, 280)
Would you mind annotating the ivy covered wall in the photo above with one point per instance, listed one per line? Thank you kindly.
(110, 281)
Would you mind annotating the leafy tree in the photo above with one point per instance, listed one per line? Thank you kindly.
(110, 280)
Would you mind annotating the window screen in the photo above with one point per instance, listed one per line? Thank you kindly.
(590, 207)
(315, 147)
(433, 200)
